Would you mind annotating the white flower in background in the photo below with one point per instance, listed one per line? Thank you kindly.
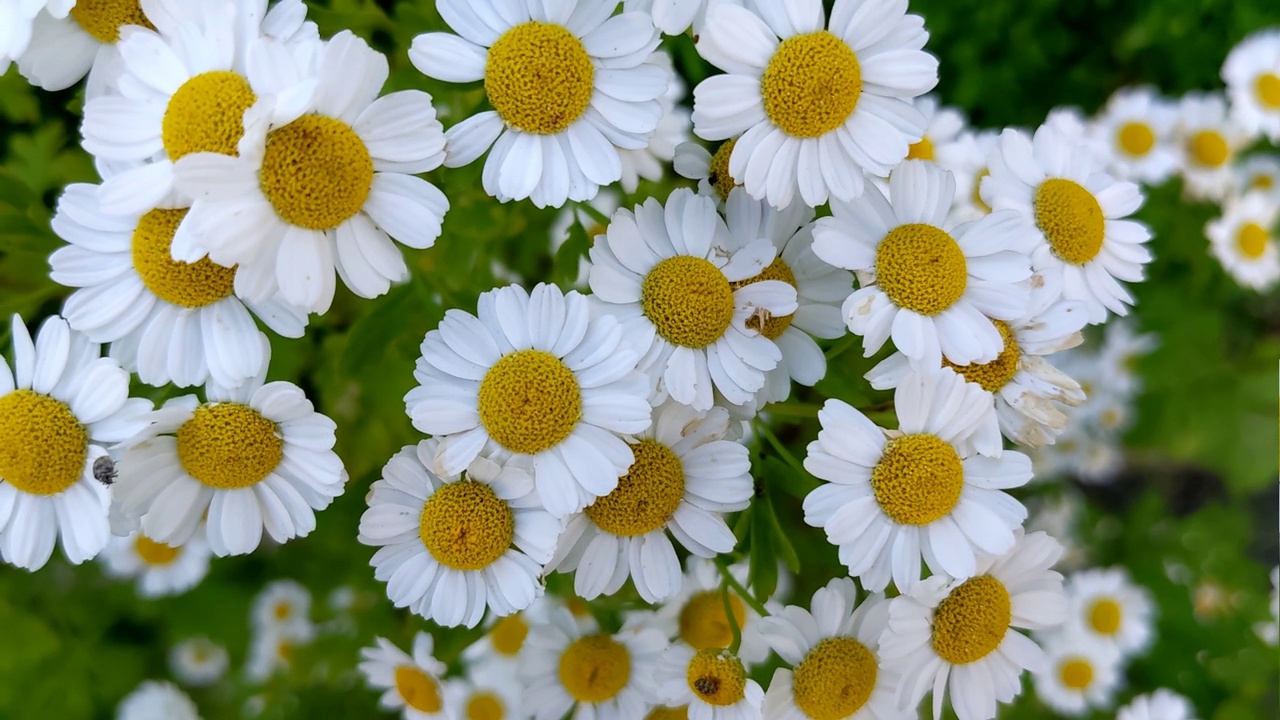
(712, 683)
(1136, 129)
(498, 650)
(60, 407)
(1159, 705)
(159, 569)
(1060, 517)
(272, 653)
(1115, 367)
(696, 616)
(70, 39)
(1108, 608)
(943, 126)
(1260, 173)
(966, 158)
(568, 84)
(1269, 631)
(485, 693)
(411, 683)
(1208, 140)
(710, 170)
(649, 162)
(604, 203)
(1080, 674)
(1076, 128)
(1244, 240)
(283, 607)
(156, 699)
(1252, 74)
(198, 661)
(816, 103)
(675, 17)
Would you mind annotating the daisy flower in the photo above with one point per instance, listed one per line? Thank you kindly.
(503, 640)
(966, 159)
(711, 170)
(1208, 140)
(198, 661)
(1244, 240)
(168, 320)
(696, 618)
(935, 287)
(283, 607)
(73, 38)
(1258, 173)
(595, 675)
(892, 498)
(412, 684)
(157, 699)
(817, 104)
(961, 635)
(712, 683)
(326, 191)
(568, 84)
(60, 407)
(450, 545)
(272, 653)
(540, 378)
(1108, 608)
(685, 476)
(943, 126)
(1159, 705)
(486, 693)
(1136, 128)
(16, 19)
(1079, 675)
(1071, 217)
(159, 569)
(670, 276)
(835, 673)
(1252, 74)
(675, 17)
(673, 129)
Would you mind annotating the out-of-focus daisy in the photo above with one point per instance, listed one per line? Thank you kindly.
(70, 39)
(1259, 173)
(696, 616)
(486, 693)
(1208, 141)
(961, 636)
(674, 17)
(198, 661)
(1071, 217)
(535, 374)
(157, 699)
(1059, 516)
(933, 287)
(1079, 674)
(568, 84)
(1109, 608)
(1136, 129)
(325, 192)
(1244, 240)
(712, 683)
(966, 159)
(159, 569)
(501, 644)
(684, 477)
(673, 129)
(817, 104)
(1115, 367)
(283, 607)
(1269, 631)
(1076, 128)
(60, 407)
(886, 513)
(272, 653)
(1159, 705)
(711, 170)
(452, 545)
(412, 683)
(943, 126)
(1252, 74)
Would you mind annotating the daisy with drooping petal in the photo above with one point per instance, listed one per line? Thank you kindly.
(712, 683)
(159, 569)
(535, 374)
(673, 129)
(1159, 705)
(1252, 74)
(961, 636)
(673, 279)
(1109, 608)
(283, 607)
(157, 699)
(73, 38)
(1208, 140)
(198, 661)
(696, 617)
(1079, 674)
(452, 545)
(1136, 127)
(60, 406)
(684, 477)
(568, 84)
(711, 170)
(1244, 240)
(412, 683)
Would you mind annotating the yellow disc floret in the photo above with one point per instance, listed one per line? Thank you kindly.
(229, 446)
(835, 679)
(646, 497)
(595, 668)
(918, 479)
(978, 202)
(921, 268)
(42, 444)
(539, 78)
(1267, 89)
(996, 374)
(1104, 616)
(1076, 673)
(719, 176)
(206, 114)
(465, 526)
(529, 401)
(508, 635)
(971, 622)
(154, 553)
(811, 85)
(668, 713)
(484, 705)
(419, 690)
(771, 326)
(717, 677)
(1136, 138)
(1071, 220)
(1251, 238)
(188, 285)
(103, 18)
(704, 623)
(1208, 148)
(316, 172)
(922, 150)
(688, 300)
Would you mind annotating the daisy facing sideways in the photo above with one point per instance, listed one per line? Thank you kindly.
(411, 683)
(159, 569)
(1244, 240)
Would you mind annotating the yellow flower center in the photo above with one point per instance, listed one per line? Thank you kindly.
(1262, 181)
(1071, 220)
(419, 690)
(206, 114)
(539, 78)
(719, 177)
(771, 326)
(188, 285)
(42, 444)
(1267, 88)
(978, 202)
(316, 172)
(485, 705)
(688, 300)
(282, 610)
(705, 625)
(1104, 616)
(1136, 138)
(1208, 148)
(717, 677)
(595, 668)
(1076, 673)
(811, 84)
(668, 713)
(646, 497)
(465, 526)
(103, 18)
(971, 621)
(996, 374)
(529, 401)
(921, 268)
(154, 553)
(918, 479)
(508, 635)
(835, 679)
(229, 446)
(922, 150)
(1252, 240)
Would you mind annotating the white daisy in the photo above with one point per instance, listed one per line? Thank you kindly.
(1071, 217)
(272, 653)
(1252, 74)
(1159, 705)
(934, 287)
(412, 684)
(450, 545)
(541, 379)
(943, 126)
(1208, 141)
(198, 661)
(695, 162)
(673, 129)
(835, 673)
(1260, 173)
(1079, 674)
(816, 104)
(486, 693)
(1076, 128)
(283, 607)
(671, 277)
(159, 569)
(1107, 607)
(1244, 240)
(499, 648)
(685, 476)
(568, 84)
(696, 617)
(70, 39)
(1116, 363)
(966, 159)
(712, 683)
(326, 191)
(59, 408)
(675, 17)
(1136, 128)
(961, 636)
(155, 699)
(16, 19)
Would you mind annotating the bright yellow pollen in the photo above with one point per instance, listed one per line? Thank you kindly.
(970, 622)
(1076, 673)
(595, 668)
(719, 176)
(1136, 138)
(996, 374)
(668, 713)
(811, 85)
(42, 444)
(717, 677)
(977, 195)
(704, 625)
(1071, 220)
(316, 172)
(465, 526)
(103, 18)
(688, 300)
(1267, 87)
(206, 114)
(1208, 148)
(154, 553)
(188, 285)
(835, 679)
(1104, 616)
(646, 497)
(508, 635)
(918, 479)
(539, 78)
(922, 150)
(485, 706)
(771, 326)
(229, 446)
(529, 401)
(921, 268)
(419, 690)
(1252, 240)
